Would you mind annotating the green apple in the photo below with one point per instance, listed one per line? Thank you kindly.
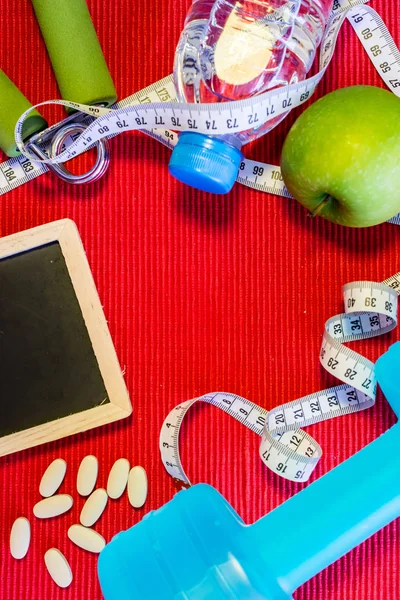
(341, 159)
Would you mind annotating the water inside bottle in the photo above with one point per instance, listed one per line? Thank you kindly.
(235, 50)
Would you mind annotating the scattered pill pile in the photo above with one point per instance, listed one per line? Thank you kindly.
(52, 505)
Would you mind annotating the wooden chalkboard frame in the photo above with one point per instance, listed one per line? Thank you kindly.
(66, 234)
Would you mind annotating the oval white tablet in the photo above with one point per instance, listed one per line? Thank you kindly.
(58, 567)
(118, 478)
(137, 487)
(20, 537)
(53, 506)
(53, 477)
(94, 507)
(87, 475)
(87, 539)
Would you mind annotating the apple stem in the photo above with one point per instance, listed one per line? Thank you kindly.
(320, 206)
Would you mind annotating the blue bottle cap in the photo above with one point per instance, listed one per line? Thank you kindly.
(204, 162)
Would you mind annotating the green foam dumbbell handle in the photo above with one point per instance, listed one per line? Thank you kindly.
(12, 104)
(75, 52)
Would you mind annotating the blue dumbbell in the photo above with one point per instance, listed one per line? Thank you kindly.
(196, 547)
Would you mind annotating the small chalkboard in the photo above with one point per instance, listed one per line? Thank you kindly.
(59, 373)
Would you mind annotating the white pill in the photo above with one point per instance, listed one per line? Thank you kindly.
(87, 475)
(58, 567)
(87, 539)
(137, 487)
(53, 477)
(20, 537)
(94, 507)
(53, 506)
(118, 478)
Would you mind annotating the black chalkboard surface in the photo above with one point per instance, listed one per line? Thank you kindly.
(48, 368)
(59, 373)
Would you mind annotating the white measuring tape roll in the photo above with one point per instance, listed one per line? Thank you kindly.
(285, 448)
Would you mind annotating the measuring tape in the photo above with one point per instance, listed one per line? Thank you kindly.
(154, 109)
(285, 448)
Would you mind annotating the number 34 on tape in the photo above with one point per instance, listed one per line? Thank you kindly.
(286, 449)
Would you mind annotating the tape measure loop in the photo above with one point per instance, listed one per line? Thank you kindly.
(286, 449)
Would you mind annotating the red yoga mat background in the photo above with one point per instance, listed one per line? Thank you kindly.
(201, 293)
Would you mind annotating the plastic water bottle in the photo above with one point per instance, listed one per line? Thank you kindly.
(231, 50)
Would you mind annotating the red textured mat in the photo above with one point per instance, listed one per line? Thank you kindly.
(201, 293)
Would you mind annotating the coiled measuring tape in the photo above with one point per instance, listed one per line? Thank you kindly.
(285, 448)
(154, 110)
